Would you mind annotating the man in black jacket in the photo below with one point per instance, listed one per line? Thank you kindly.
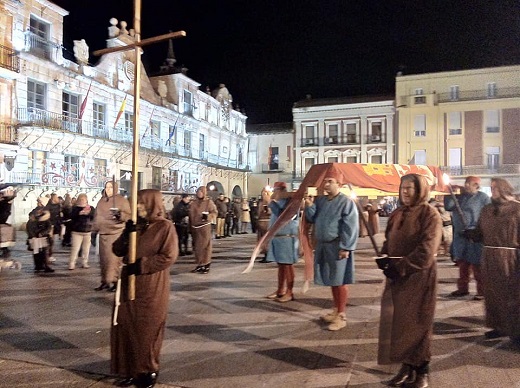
(181, 220)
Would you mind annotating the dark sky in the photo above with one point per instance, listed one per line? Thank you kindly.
(271, 53)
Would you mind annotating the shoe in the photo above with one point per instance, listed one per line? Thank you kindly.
(205, 269)
(48, 270)
(112, 288)
(71, 268)
(285, 298)
(492, 334)
(405, 374)
(127, 382)
(274, 295)
(330, 317)
(478, 297)
(147, 380)
(338, 323)
(264, 260)
(197, 269)
(421, 381)
(52, 259)
(458, 294)
(102, 286)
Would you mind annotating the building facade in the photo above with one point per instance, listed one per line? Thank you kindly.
(466, 121)
(343, 130)
(67, 126)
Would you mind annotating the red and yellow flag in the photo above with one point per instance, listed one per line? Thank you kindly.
(121, 110)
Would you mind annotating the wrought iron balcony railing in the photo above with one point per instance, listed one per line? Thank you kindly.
(9, 59)
(39, 46)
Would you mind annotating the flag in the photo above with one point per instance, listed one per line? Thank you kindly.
(150, 124)
(121, 110)
(84, 103)
(172, 133)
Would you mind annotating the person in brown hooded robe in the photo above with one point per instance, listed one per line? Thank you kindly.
(413, 236)
(139, 324)
(202, 211)
(112, 211)
(499, 227)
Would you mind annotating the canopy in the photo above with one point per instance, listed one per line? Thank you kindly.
(383, 177)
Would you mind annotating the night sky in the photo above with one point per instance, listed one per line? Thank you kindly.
(272, 53)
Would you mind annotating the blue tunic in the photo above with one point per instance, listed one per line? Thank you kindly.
(471, 206)
(283, 248)
(336, 227)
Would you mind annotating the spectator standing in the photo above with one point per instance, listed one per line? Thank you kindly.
(373, 218)
(112, 211)
(466, 252)
(81, 221)
(283, 248)
(237, 210)
(137, 338)
(229, 218)
(202, 211)
(413, 236)
(221, 215)
(54, 208)
(180, 214)
(39, 232)
(499, 226)
(336, 228)
(253, 206)
(66, 208)
(245, 218)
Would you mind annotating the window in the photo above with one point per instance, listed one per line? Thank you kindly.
(155, 128)
(376, 130)
(98, 117)
(419, 126)
(274, 158)
(36, 165)
(72, 166)
(351, 133)
(36, 95)
(493, 157)
(240, 156)
(351, 159)
(333, 134)
(129, 122)
(332, 159)
(100, 166)
(377, 159)
(39, 38)
(419, 91)
(419, 100)
(70, 105)
(187, 140)
(188, 103)
(454, 92)
(309, 135)
(308, 163)
(419, 157)
(289, 152)
(492, 121)
(202, 146)
(455, 157)
(491, 89)
(156, 177)
(455, 123)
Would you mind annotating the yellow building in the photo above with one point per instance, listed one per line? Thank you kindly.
(467, 122)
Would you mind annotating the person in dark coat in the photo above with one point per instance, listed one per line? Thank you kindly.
(54, 208)
(138, 331)
(413, 236)
(39, 229)
(81, 221)
(180, 216)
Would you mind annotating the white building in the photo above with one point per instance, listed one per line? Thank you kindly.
(49, 143)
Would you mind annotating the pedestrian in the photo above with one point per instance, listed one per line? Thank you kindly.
(237, 210)
(112, 211)
(264, 217)
(283, 248)
(39, 232)
(221, 215)
(373, 218)
(202, 212)
(81, 222)
(413, 236)
(245, 217)
(54, 208)
(447, 229)
(180, 216)
(229, 218)
(499, 226)
(137, 337)
(65, 210)
(253, 206)
(466, 252)
(336, 228)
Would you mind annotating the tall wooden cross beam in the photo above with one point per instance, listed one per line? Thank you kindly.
(137, 95)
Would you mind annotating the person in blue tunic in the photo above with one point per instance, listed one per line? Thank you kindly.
(466, 252)
(283, 248)
(336, 228)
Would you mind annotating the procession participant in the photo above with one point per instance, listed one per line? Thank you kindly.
(180, 217)
(264, 217)
(413, 236)
(221, 215)
(283, 248)
(466, 252)
(202, 212)
(499, 225)
(136, 337)
(112, 211)
(336, 228)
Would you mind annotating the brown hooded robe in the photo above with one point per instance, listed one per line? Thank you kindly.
(137, 338)
(201, 229)
(408, 303)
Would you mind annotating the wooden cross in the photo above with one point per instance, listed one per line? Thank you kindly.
(135, 148)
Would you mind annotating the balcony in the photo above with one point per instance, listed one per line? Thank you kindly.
(39, 46)
(9, 59)
(271, 167)
(340, 140)
(7, 133)
(371, 139)
(505, 169)
(309, 142)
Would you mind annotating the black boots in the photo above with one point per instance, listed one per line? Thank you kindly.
(405, 374)
(411, 376)
(201, 269)
(144, 380)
